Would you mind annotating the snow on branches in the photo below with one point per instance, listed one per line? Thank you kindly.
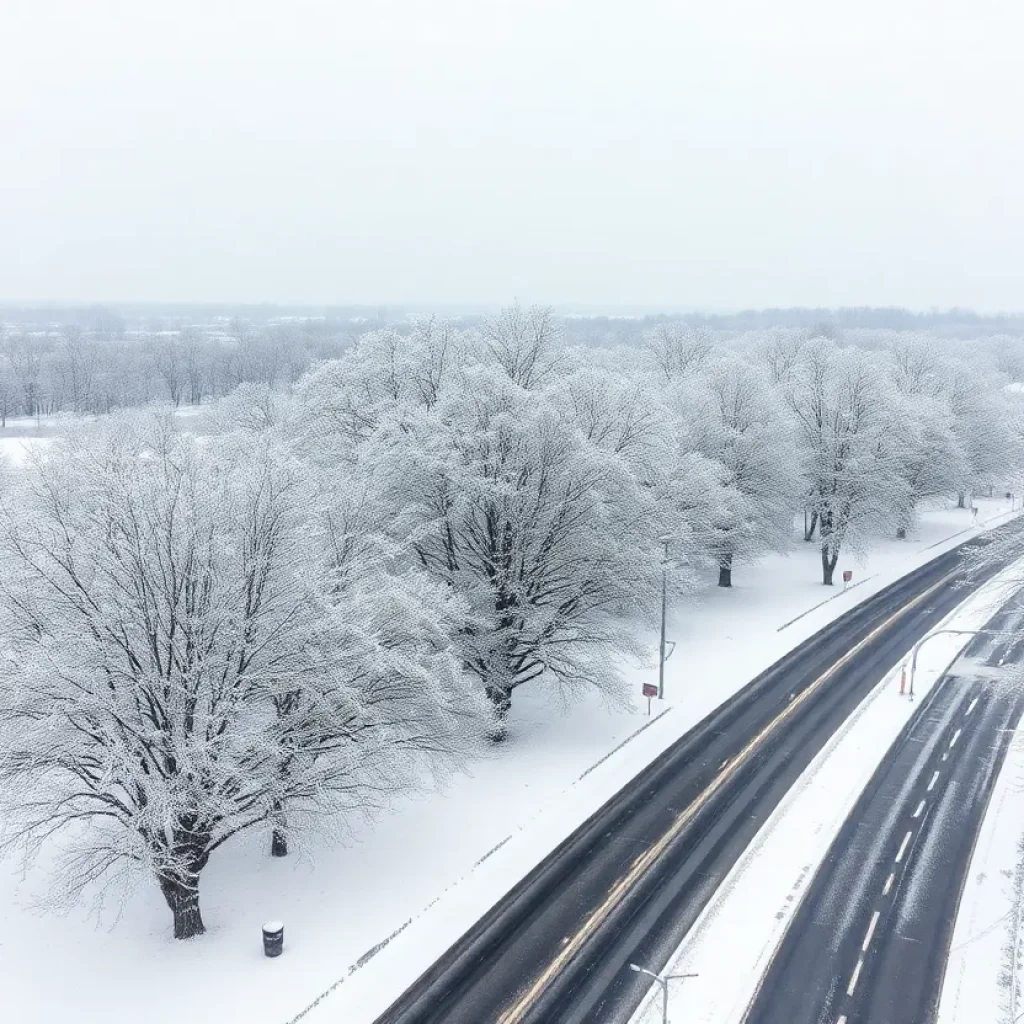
(187, 658)
(332, 594)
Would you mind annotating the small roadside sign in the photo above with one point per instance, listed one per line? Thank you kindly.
(650, 690)
(847, 576)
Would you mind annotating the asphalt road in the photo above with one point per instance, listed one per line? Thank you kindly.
(628, 884)
(869, 943)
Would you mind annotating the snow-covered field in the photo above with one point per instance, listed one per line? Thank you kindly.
(15, 449)
(25, 434)
(422, 863)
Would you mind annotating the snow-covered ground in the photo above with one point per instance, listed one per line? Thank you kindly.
(424, 870)
(985, 974)
(23, 434)
(16, 449)
(733, 941)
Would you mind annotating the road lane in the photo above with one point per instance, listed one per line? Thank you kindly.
(628, 884)
(869, 942)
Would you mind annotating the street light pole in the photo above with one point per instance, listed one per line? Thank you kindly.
(664, 605)
(663, 981)
(954, 632)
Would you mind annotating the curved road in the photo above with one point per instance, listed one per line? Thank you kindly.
(628, 884)
(870, 941)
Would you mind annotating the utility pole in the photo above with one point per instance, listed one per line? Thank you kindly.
(664, 604)
(663, 981)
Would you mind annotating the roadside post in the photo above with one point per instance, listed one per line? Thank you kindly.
(650, 690)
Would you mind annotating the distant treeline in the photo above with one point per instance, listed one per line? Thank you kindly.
(77, 370)
(110, 318)
(98, 358)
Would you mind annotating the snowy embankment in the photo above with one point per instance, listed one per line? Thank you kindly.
(736, 936)
(430, 869)
(985, 973)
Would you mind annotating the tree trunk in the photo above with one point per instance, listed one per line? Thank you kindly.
(501, 700)
(183, 899)
(279, 836)
(809, 532)
(725, 570)
(828, 564)
(961, 500)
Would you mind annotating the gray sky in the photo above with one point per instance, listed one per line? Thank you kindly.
(718, 154)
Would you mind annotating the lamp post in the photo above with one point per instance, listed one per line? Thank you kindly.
(954, 632)
(663, 981)
(663, 643)
(664, 605)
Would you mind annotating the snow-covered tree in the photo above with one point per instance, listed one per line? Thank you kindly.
(526, 343)
(618, 410)
(732, 415)
(169, 358)
(8, 387)
(254, 408)
(344, 400)
(982, 421)
(677, 349)
(191, 651)
(930, 460)
(546, 532)
(847, 415)
(780, 350)
(624, 410)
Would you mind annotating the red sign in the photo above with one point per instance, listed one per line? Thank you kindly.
(650, 690)
(847, 575)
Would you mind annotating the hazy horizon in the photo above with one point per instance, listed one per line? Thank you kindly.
(652, 156)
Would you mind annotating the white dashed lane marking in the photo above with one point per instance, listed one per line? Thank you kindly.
(854, 977)
(903, 847)
(871, 931)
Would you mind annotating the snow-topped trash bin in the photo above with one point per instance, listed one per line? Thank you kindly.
(273, 938)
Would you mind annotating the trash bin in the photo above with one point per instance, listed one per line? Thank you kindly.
(273, 938)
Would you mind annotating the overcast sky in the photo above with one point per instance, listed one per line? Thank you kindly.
(712, 154)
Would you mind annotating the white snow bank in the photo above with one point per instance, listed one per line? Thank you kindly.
(732, 943)
(427, 863)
